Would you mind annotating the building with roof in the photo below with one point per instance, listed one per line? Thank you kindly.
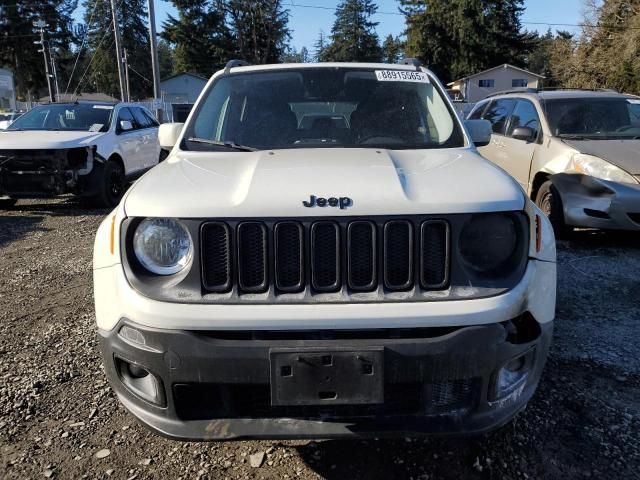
(182, 87)
(181, 91)
(475, 87)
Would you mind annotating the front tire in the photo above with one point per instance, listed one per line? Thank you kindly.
(112, 185)
(549, 201)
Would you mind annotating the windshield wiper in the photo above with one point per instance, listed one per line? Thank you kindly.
(570, 136)
(232, 145)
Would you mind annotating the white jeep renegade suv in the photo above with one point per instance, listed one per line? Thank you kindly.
(324, 254)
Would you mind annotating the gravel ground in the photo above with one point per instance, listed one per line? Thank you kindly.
(59, 418)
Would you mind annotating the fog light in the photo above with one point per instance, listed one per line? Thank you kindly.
(140, 381)
(513, 374)
(136, 371)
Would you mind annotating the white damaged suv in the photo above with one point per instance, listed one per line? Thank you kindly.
(324, 254)
(89, 149)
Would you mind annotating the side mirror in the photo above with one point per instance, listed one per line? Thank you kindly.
(524, 133)
(480, 131)
(125, 125)
(168, 134)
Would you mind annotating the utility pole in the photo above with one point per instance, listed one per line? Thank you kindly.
(154, 56)
(41, 25)
(116, 32)
(55, 72)
(126, 74)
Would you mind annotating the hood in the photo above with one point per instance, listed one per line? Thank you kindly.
(30, 139)
(275, 184)
(623, 153)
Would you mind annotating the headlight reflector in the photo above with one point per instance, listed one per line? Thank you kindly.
(162, 245)
(599, 168)
(488, 242)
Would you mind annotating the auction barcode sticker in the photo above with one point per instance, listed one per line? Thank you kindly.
(401, 76)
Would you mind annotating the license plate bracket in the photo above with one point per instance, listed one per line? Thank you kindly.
(327, 377)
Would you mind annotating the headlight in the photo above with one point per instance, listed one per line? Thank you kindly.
(599, 168)
(489, 242)
(162, 245)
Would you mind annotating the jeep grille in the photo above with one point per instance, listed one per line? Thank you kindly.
(325, 256)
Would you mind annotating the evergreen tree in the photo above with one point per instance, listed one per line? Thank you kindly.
(165, 58)
(392, 49)
(201, 40)
(259, 29)
(293, 56)
(353, 36)
(100, 60)
(319, 47)
(456, 38)
(17, 34)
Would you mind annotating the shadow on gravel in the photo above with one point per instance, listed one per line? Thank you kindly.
(602, 239)
(67, 208)
(13, 228)
(582, 422)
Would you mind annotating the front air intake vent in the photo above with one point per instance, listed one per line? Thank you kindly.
(252, 257)
(325, 256)
(361, 253)
(216, 257)
(398, 255)
(289, 256)
(434, 254)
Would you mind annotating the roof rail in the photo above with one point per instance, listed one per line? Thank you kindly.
(563, 89)
(513, 91)
(411, 61)
(235, 63)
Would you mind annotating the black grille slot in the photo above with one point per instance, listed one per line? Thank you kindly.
(216, 257)
(289, 257)
(361, 241)
(325, 256)
(252, 257)
(434, 254)
(398, 255)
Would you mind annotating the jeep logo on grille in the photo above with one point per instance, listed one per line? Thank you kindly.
(342, 202)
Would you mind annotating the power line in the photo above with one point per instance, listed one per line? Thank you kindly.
(104, 35)
(549, 24)
(140, 75)
(84, 39)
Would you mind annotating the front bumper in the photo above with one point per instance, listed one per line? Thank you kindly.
(44, 173)
(215, 385)
(594, 203)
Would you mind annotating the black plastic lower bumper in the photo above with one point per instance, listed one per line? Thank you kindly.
(222, 385)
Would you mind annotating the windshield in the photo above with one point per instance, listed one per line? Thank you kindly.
(594, 118)
(323, 108)
(83, 117)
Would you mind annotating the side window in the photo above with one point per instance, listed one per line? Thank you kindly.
(498, 114)
(152, 120)
(524, 115)
(125, 114)
(486, 83)
(142, 120)
(477, 112)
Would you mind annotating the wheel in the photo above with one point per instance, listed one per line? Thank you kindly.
(7, 202)
(112, 185)
(549, 201)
